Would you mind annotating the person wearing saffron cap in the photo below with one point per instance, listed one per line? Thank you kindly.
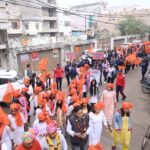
(52, 101)
(27, 85)
(29, 142)
(42, 107)
(17, 123)
(40, 125)
(34, 100)
(122, 125)
(109, 98)
(5, 133)
(69, 97)
(97, 120)
(54, 139)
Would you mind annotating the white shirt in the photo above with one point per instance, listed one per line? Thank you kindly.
(40, 127)
(110, 72)
(96, 122)
(7, 137)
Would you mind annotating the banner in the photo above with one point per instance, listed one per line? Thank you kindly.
(35, 56)
(93, 74)
(98, 56)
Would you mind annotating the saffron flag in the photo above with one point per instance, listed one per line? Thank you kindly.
(5, 116)
(43, 64)
(9, 93)
(131, 58)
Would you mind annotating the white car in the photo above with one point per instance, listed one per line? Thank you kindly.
(9, 76)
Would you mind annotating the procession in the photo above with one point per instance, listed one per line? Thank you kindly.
(43, 113)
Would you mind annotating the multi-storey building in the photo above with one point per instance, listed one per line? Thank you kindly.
(31, 30)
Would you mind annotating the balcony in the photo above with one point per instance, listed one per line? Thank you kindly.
(14, 31)
(2, 46)
(48, 18)
(50, 30)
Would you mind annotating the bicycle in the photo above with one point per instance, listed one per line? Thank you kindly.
(146, 139)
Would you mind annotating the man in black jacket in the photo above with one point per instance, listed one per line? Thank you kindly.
(78, 129)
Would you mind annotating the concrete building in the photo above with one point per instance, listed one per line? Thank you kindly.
(31, 30)
(114, 17)
(3, 36)
(31, 26)
(85, 18)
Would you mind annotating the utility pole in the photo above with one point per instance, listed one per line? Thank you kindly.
(85, 22)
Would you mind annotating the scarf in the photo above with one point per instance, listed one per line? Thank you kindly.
(51, 143)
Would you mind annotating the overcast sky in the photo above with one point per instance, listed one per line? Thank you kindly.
(142, 3)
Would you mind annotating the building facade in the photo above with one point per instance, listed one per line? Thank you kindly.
(110, 20)
(32, 30)
(85, 18)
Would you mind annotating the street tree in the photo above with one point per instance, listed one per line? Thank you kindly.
(132, 26)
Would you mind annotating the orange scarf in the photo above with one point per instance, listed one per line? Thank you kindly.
(1, 130)
(18, 119)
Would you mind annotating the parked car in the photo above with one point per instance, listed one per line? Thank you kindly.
(9, 76)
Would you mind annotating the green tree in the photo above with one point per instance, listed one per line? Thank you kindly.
(133, 26)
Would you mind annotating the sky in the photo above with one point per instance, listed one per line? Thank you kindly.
(141, 3)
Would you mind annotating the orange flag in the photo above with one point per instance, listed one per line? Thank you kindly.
(9, 93)
(77, 49)
(43, 63)
(43, 76)
(5, 116)
(131, 58)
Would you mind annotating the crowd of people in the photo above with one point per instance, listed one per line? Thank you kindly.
(42, 113)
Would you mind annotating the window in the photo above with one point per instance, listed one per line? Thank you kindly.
(37, 26)
(53, 34)
(52, 25)
(15, 25)
(67, 23)
(52, 13)
(52, 1)
(26, 26)
(66, 13)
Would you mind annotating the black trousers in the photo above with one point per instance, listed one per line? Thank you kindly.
(59, 83)
(110, 80)
(68, 79)
(105, 75)
(119, 89)
(143, 75)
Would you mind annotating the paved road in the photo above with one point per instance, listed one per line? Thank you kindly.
(140, 113)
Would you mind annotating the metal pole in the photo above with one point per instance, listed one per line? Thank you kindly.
(85, 23)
